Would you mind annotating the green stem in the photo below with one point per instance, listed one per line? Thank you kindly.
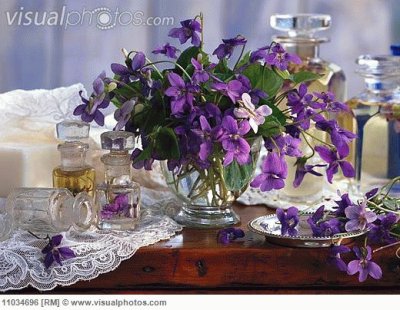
(171, 62)
(386, 246)
(374, 205)
(240, 56)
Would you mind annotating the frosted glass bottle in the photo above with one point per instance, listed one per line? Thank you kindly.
(74, 173)
(377, 122)
(301, 39)
(118, 198)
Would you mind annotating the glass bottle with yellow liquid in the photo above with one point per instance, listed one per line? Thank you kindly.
(377, 122)
(73, 172)
(301, 39)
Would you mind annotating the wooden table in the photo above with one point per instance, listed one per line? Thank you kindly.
(193, 262)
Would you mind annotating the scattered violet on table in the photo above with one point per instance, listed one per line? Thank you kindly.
(363, 265)
(289, 220)
(54, 253)
(377, 214)
(226, 235)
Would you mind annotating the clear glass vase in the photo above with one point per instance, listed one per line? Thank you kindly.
(207, 194)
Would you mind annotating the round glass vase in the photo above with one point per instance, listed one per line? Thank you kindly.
(207, 195)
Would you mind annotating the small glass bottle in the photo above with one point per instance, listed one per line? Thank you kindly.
(74, 173)
(49, 210)
(301, 40)
(118, 198)
(377, 122)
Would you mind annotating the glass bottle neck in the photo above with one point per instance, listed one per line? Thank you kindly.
(73, 159)
(117, 167)
(379, 85)
(304, 47)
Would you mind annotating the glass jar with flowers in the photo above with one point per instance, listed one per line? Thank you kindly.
(205, 119)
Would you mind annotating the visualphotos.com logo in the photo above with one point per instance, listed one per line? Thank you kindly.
(102, 17)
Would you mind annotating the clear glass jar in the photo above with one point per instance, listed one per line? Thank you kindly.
(49, 210)
(377, 119)
(118, 198)
(74, 173)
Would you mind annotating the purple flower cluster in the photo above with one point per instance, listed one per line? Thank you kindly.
(348, 217)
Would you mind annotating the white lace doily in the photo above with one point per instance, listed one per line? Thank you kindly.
(97, 252)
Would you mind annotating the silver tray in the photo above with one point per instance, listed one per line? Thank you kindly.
(269, 226)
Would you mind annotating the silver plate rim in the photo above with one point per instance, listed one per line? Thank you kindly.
(301, 240)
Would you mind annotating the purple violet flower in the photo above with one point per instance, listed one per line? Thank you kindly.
(226, 48)
(132, 70)
(289, 220)
(90, 109)
(364, 265)
(279, 58)
(123, 114)
(359, 217)
(208, 135)
(167, 50)
(273, 173)
(371, 193)
(330, 104)
(226, 235)
(259, 54)
(322, 227)
(199, 75)
(120, 207)
(335, 259)
(380, 229)
(181, 94)
(342, 205)
(233, 143)
(247, 110)
(302, 169)
(284, 144)
(330, 156)
(55, 253)
(189, 30)
(255, 93)
(231, 89)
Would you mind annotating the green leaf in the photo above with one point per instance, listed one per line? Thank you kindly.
(237, 176)
(222, 67)
(244, 60)
(304, 76)
(275, 110)
(166, 144)
(271, 127)
(185, 58)
(264, 78)
(145, 154)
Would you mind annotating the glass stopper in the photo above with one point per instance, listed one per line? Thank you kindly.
(72, 130)
(117, 140)
(300, 24)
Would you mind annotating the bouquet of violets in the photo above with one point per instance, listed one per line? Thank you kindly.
(204, 116)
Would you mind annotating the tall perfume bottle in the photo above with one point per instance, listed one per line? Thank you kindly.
(377, 122)
(118, 198)
(301, 39)
(49, 210)
(74, 173)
